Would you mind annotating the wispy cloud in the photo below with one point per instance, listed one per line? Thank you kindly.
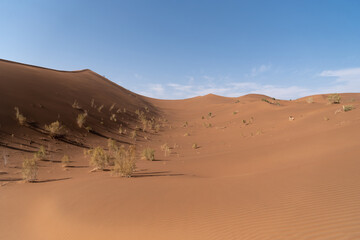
(257, 70)
(341, 80)
(346, 80)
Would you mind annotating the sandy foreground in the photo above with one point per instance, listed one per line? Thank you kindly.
(256, 173)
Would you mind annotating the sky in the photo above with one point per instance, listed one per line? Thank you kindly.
(175, 49)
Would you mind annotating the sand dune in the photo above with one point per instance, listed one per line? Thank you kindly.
(256, 174)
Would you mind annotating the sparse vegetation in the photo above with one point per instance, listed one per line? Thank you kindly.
(19, 117)
(29, 170)
(309, 100)
(76, 105)
(133, 134)
(121, 131)
(40, 154)
(185, 124)
(347, 108)
(124, 163)
(65, 160)
(195, 146)
(334, 98)
(112, 145)
(235, 112)
(113, 117)
(186, 134)
(166, 149)
(81, 119)
(148, 154)
(207, 125)
(112, 107)
(55, 129)
(99, 159)
(100, 108)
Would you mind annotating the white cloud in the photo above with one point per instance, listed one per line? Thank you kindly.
(346, 80)
(261, 69)
(342, 80)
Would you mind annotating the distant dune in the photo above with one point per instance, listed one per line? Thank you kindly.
(250, 167)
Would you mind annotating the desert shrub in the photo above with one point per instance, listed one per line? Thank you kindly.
(99, 159)
(186, 134)
(133, 134)
(209, 114)
(65, 160)
(195, 146)
(207, 125)
(88, 128)
(347, 108)
(334, 98)
(112, 145)
(100, 108)
(113, 117)
(112, 107)
(309, 100)
(81, 119)
(166, 149)
(29, 170)
(186, 124)
(19, 117)
(40, 154)
(76, 105)
(121, 131)
(157, 127)
(235, 112)
(55, 129)
(124, 163)
(148, 154)
(93, 103)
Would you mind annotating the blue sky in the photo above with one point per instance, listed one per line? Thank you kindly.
(178, 49)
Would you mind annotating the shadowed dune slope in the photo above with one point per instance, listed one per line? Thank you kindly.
(262, 168)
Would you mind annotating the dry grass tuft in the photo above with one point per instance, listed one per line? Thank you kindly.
(166, 149)
(29, 170)
(55, 129)
(20, 118)
(310, 100)
(148, 154)
(334, 98)
(124, 163)
(81, 119)
(76, 105)
(41, 154)
(99, 159)
(347, 108)
(195, 146)
(65, 160)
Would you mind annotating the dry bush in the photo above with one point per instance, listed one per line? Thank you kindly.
(133, 134)
(112, 107)
(309, 100)
(166, 149)
(195, 146)
(20, 118)
(347, 108)
(99, 159)
(93, 103)
(124, 163)
(185, 124)
(121, 131)
(76, 105)
(334, 98)
(112, 145)
(65, 160)
(157, 127)
(100, 108)
(29, 170)
(55, 129)
(186, 134)
(81, 119)
(41, 154)
(113, 117)
(148, 154)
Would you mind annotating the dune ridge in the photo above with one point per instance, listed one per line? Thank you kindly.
(256, 173)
